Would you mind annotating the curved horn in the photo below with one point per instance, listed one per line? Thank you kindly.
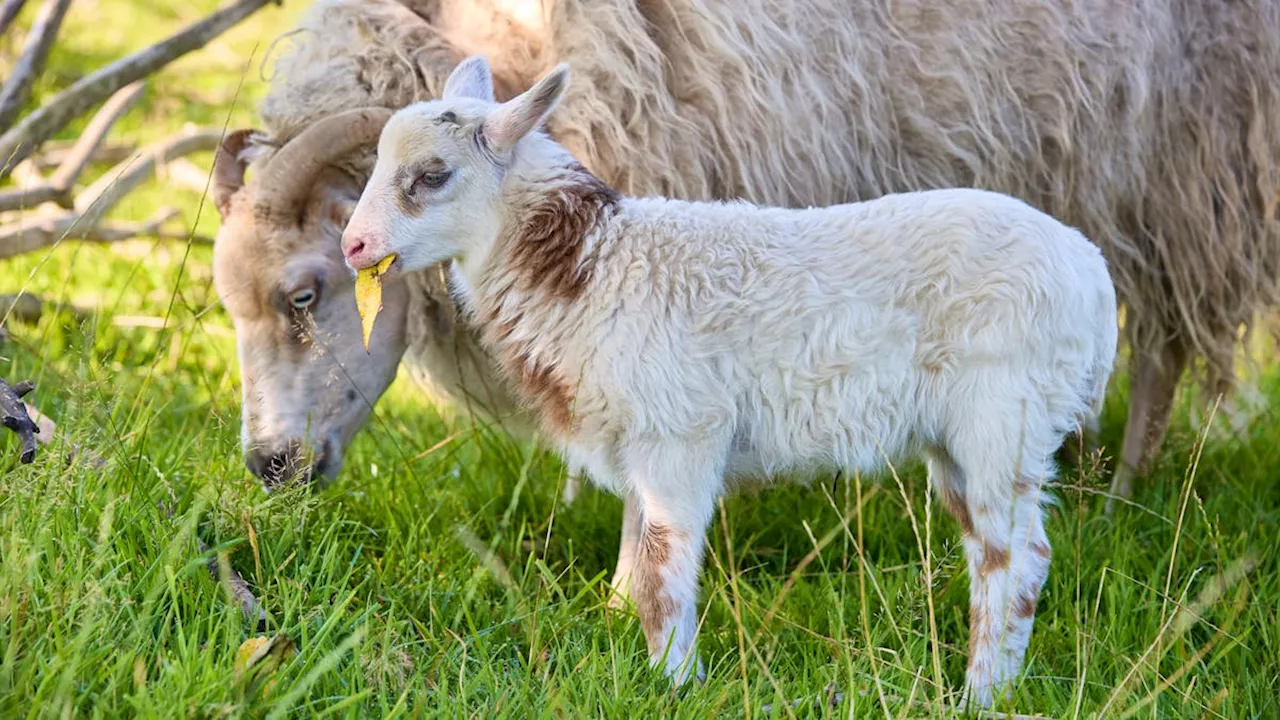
(285, 183)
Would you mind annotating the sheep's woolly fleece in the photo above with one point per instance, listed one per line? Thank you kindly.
(1152, 126)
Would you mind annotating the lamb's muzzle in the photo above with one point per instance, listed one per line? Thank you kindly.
(674, 348)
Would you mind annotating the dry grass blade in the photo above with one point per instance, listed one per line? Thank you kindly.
(20, 141)
(1192, 613)
(31, 63)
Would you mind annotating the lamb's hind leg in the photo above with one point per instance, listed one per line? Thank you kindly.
(1008, 558)
(628, 545)
(677, 486)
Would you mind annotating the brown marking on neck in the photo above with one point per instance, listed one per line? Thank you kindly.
(546, 246)
(542, 385)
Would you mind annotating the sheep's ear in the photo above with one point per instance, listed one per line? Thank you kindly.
(471, 79)
(522, 114)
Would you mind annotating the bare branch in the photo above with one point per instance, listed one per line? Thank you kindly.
(31, 63)
(122, 179)
(25, 308)
(41, 232)
(21, 140)
(8, 12)
(13, 415)
(74, 450)
(184, 173)
(58, 188)
(56, 153)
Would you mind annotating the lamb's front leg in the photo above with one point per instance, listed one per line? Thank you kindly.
(676, 487)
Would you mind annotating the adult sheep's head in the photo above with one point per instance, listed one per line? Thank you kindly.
(308, 384)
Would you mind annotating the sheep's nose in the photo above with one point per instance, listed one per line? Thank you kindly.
(277, 467)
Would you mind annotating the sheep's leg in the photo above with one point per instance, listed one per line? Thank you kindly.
(677, 487)
(1152, 384)
(627, 547)
(1008, 560)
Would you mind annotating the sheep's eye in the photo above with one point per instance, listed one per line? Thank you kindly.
(302, 299)
(433, 180)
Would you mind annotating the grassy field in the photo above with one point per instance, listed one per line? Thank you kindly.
(452, 581)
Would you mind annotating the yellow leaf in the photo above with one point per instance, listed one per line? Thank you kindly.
(369, 295)
(259, 657)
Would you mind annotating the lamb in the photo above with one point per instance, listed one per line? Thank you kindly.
(677, 349)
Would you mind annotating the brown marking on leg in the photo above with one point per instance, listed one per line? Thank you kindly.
(956, 505)
(1024, 486)
(979, 633)
(1042, 549)
(993, 559)
(648, 588)
(1024, 606)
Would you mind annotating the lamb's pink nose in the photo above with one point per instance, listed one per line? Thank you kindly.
(360, 251)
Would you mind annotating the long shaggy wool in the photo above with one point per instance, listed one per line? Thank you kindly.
(1152, 126)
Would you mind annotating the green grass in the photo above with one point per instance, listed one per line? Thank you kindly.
(107, 608)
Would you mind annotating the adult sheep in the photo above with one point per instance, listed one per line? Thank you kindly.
(1154, 127)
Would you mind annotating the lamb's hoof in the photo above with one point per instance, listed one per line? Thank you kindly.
(981, 695)
(686, 674)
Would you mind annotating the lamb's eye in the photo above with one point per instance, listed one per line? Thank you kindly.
(433, 180)
(302, 299)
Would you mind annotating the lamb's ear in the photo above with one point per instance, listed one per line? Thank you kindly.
(522, 114)
(471, 79)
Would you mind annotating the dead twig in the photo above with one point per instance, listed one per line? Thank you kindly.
(13, 415)
(236, 587)
(234, 584)
(45, 437)
(42, 232)
(127, 175)
(31, 63)
(25, 308)
(39, 231)
(8, 12)
(55, 153)
(20, 141)
(58, 187)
